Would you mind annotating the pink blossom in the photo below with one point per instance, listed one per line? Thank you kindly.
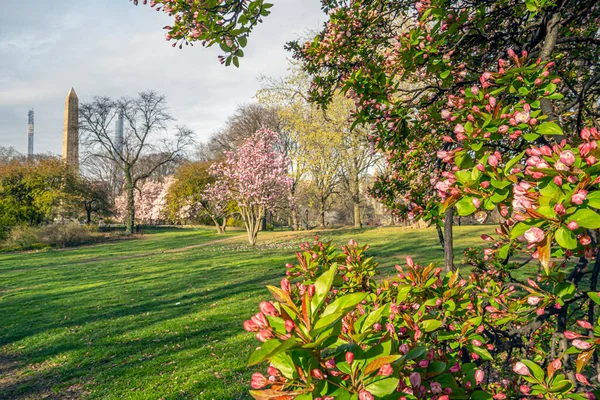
(567, 157)
(534, 235)
(522, 117)
(533, 300)
(521, 368)
(579, 197)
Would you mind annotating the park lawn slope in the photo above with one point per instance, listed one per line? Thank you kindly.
(160, 316)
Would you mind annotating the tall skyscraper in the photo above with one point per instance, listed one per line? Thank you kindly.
(30, 135)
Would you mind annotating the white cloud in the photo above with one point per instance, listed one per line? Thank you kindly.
(114, 49)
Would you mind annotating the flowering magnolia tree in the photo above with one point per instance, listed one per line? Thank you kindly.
(254, 177)
(150, 201)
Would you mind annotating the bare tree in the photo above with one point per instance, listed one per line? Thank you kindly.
(247, 119)
(357, 158)
(146, 118)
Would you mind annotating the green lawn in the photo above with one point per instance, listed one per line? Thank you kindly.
(159, 316)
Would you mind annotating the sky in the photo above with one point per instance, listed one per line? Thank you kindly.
(113, 48)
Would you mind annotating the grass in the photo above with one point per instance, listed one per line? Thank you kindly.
(159, 316)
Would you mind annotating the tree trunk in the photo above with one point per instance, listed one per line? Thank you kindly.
(88, 216)
(322, 213)
(224, 225)
(220, 230)
(295, 225)
(357, 221)
(448, 240)
(130, 222)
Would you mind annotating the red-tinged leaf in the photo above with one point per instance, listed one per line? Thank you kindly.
(269, 394)
(376, 364)
(544, 253)
(582, 359)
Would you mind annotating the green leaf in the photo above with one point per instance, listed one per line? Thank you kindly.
(236, 62)
(322, 287)
(383, 387)
(270, 348)
(586, 218)
(482, 352)
(566, 238)
(373, 317)
(445, 74)
(243, 41)
(481, 395)
(338, 309)
(564, 290)
(513, 161)
(595, 297)
(593, 199)
(549, 128)
(465, 206)
(538, 373)
(431, 325)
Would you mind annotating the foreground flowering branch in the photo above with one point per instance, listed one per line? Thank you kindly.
(333, 332)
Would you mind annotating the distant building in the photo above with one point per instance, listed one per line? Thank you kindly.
(70, 153)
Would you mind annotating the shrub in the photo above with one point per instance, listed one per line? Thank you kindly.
(63, 235)
(23, 237)
(334, 332)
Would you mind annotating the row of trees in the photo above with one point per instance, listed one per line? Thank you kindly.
(506, 94)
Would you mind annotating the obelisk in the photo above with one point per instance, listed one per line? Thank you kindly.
(70, 153)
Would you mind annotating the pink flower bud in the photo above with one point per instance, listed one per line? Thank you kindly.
(415, 379)
(289, 325)
(386, 370)
(581, 344)
(311, 290)
(317, 374)
(250, 326)
(582, 379)
(559, 209)
(525, 389)
(493, 160)
(572, 225)
(585, 324)
(260, 320)
(436, 388)
(521, 368)
(364, 395)
(570, 335)
(264, 334)
(479, 375)
(267, 308)
(258, 381)
(349, 357)
(579, 197)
